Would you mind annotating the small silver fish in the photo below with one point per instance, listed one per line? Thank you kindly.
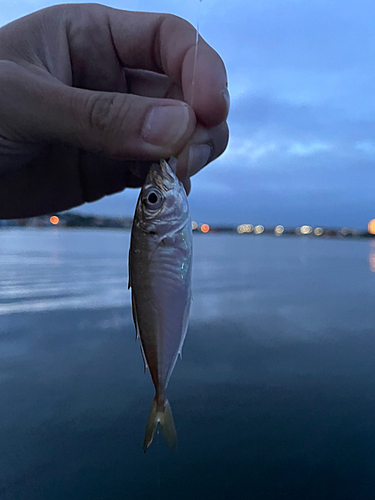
(160, 260)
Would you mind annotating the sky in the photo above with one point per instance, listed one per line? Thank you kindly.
(302, 121)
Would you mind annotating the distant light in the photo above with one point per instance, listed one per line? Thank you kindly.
(279, 230)
(205, 228)
(306, 229)
(54, 220)
(318, 231)
(345, 231)
(244, 228)
(258, 229)
(194, 225)
(371, 226)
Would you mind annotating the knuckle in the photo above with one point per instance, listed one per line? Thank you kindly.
(107, 114)
(100, 112)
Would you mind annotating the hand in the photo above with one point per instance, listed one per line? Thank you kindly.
(91, 95)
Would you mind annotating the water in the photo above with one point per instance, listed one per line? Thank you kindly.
(274, 397)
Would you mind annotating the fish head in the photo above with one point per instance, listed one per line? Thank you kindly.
(162, 204)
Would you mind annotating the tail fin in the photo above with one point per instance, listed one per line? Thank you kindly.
(160, 415)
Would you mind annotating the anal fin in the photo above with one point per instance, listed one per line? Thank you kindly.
(145, 365)
(135, 319)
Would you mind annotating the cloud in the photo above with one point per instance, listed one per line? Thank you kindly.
(367, 147)
(300, 149)
(249, 149)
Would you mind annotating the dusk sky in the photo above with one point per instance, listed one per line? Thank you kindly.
(302, 121)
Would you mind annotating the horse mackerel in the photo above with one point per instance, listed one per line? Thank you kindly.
(160, 261)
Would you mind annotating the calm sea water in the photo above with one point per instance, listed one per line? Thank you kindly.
(274, 397)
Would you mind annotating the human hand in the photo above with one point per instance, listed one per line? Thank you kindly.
(91, 95)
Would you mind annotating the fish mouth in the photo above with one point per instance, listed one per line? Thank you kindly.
(161, 175)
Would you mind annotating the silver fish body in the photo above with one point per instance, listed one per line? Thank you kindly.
(160, 261)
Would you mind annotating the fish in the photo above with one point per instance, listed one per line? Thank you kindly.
(160, 267)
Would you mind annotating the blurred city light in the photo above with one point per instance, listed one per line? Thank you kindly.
(371, 226)
(306, 230)
(244, 228)
(279, 230)
(205, 228)
(318, 231)
(258, 229)
(194, 225)
(54, 220)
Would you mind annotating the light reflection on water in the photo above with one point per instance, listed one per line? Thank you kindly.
(50, 270)
(274, 395)
(372, 256)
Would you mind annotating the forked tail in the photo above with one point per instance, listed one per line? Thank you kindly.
(160, 414)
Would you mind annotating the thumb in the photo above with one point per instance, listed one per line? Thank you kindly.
(35, 107)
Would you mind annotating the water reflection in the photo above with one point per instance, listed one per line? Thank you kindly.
(274, 397)
(371, 256)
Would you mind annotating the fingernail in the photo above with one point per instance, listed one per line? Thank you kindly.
(226, 97)
(165, 125)
(198, 157)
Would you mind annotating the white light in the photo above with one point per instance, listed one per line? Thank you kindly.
(244, 228)
(258, 229)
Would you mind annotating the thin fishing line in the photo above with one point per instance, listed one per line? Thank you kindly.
(195, 52)
(158, 464)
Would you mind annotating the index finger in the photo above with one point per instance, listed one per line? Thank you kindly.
(166, 44)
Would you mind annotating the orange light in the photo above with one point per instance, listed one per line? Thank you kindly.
(371, 226)
(54, 220)
(205, 228)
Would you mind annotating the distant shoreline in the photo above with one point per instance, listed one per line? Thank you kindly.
(63, 222)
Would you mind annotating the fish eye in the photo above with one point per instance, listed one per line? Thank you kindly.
(153, 199)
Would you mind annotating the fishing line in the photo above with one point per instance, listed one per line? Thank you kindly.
(158, 464)
(195, 53)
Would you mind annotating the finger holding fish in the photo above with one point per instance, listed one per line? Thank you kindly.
(203, 147)
(210, 103)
